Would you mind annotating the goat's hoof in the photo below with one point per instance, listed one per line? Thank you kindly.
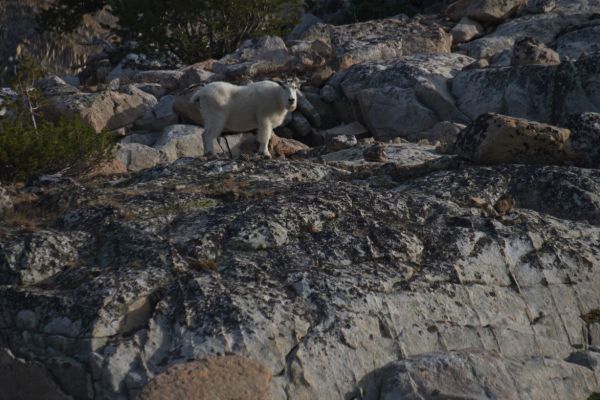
(209, 157)
(264, 156)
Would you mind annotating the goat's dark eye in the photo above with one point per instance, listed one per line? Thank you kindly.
(291, 101)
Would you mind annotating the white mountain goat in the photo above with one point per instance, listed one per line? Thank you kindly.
(260, 105)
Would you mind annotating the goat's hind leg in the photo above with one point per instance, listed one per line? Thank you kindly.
(212, 131)
(264, 136)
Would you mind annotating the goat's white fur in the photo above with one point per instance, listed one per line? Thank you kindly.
(260, 105)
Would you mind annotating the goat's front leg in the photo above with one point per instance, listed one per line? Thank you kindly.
(264, 136)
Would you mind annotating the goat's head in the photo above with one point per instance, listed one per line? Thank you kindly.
(290, 95)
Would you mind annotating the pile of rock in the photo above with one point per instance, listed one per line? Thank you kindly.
(397, 77)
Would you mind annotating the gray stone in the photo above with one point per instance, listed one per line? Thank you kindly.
(168, 79)
(262, 56)
(328, 94)
(444, 132)
(20, 379)
(179, 141)
(194, 75)
(352, 129)
(585, 137)
(339, 142)
(300, 124)
(530, 51)
(155, 89)
(466, 30)
(540, 6)
(308, 110)
(160, 116)
(399, 98)
(305, 23)
(577, 42)
(310, 55)
(537, 92)
(484, 10)
(578, 6)
(321, 76)
(145, 138)
(326, 111)
(384, 39)
(104, 110)
(37, 256)
(137, 156)
(543, 27)
(589, 359)
(494, 139)
(475, 375)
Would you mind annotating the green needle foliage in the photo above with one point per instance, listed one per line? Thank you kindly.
(363, 10)
(30, 144)
(192, 29)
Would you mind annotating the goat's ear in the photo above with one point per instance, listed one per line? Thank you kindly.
(280, 83)
(297, 82)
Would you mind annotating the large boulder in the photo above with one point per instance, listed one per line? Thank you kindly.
(103, 110)
(543, 27)
(159, 116)
(400, 97)
(540, 6)
(466, 30)
(530, 51)
(545, 93)
(484, 10)
(495, 139)
(21, 379)
(167, 79)
(137, 156)
(578, 6)
(267, 55)
(578, 42)
(385, 39)
(477, 375)
(178, 141)
(585, 137)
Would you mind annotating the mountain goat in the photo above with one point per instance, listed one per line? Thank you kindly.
(260, 105)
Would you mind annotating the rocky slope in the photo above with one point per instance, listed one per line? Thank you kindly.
(440, 239)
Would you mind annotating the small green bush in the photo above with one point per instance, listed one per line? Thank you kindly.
(25, 151)
(30, 144)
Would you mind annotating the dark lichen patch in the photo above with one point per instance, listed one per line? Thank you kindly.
(592, 316)
(594, 396)
(191, 205)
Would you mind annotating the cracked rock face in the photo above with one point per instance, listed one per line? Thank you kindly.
(340, 279)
